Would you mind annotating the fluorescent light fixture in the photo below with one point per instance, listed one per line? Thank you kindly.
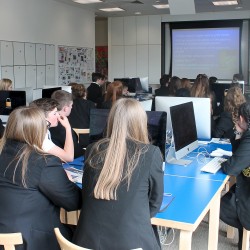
(137, 13)
(111, 9)
(225, 3)
(161, 6)
(87, 1)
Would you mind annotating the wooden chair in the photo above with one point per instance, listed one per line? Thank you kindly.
(81, 131)
(245, 240)
(9, 240)
(65, 244)
(70, 218)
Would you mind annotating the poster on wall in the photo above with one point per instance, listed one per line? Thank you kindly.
(101, 58)
(76, 64)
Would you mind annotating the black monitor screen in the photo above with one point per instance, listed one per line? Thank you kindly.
(9, 100)
(183, 124)
(157, 121)
(46, 93)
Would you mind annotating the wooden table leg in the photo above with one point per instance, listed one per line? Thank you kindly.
(214, 224)
(245, 240)
(185, 241)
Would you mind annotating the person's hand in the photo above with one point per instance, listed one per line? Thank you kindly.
(239, 128)
(64, 121)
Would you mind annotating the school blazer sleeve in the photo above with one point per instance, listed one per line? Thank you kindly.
(156, 183)
(240, 158)
(55, 185)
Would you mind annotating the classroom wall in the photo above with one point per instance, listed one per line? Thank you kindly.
(135, 42)
(101, 32)
(47, 22)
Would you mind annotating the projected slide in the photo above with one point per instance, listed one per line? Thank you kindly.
(211, 51)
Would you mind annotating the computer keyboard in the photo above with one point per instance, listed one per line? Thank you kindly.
(214, 165)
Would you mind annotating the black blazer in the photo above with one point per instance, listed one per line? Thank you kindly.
(239, 165)
(162, 91)
(94, 93)
(58, 135)
(125, 223)
(35, 210)
(224, 126)
(80, 117)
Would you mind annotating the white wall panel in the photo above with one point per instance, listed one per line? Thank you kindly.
(142, 60)
(154, 63)
(130, 61)
(117, 62)
(142, 29)
(129, 30)
(117, 31)
(154, 30)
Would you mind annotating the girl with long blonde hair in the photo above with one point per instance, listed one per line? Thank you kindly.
(33, 184)
(123, 184)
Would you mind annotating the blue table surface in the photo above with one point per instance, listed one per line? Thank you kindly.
(191, 196)
(198, 161)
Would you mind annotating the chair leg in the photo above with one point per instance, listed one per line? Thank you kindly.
(245, 240)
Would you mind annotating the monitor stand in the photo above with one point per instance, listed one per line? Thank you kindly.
(171, 158)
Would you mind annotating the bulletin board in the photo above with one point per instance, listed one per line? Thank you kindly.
(76, 64)
(27, 64)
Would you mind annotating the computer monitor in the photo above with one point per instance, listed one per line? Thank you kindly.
(156, 127)
(9, 100)
(202, 112)
(147, 104)
(63, 87)
(221, 86)
(46, 93)
(144, 84)
(29, 94)
(184, 137)
(37, 93)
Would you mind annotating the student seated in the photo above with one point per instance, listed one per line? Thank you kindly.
(224, 127)
(49, 107)
(119, 205)
(33, 184)
(5, 84)
(114, 92)
(79, 116)
(58, 133)
(235, 204)
(163, 90)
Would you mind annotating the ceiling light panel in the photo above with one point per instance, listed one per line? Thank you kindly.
(87, 1)
(112, 9)
(225, 3)
(161, 6)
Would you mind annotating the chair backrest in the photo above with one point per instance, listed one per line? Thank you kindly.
(10, 240)
(65, 244)
(81, 131)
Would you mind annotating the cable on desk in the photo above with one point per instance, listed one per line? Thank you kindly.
(163, 235)
(203, 155)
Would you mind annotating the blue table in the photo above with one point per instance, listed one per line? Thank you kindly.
(195, 194)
